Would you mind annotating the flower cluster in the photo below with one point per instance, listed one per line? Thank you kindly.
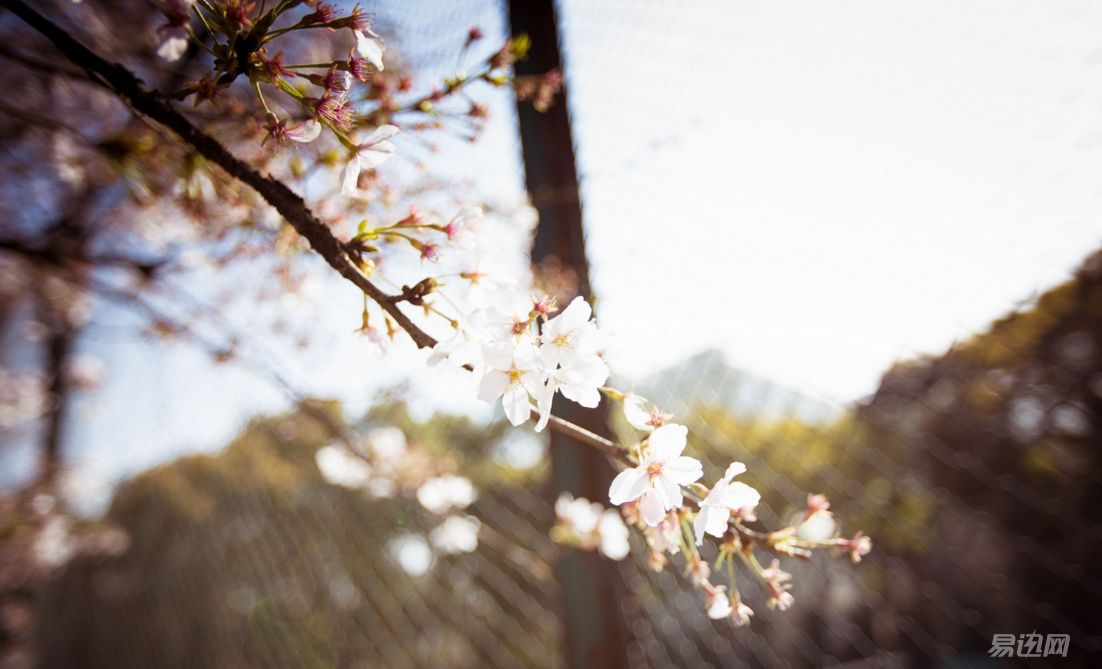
(652, 497)
(589, 526)
(520, 362)
(387, 466)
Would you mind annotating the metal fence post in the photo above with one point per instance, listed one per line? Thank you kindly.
(595, 634)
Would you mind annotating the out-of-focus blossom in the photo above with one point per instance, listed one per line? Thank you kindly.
(55, 544)
(740, 617)
(340, 467)
(589, 526)
(23, 397)
(443, 493)
(85, 372)
(858, 547)
(459, 230)
(174, 32)
(816, 504)
(457, 534)
(718, 605)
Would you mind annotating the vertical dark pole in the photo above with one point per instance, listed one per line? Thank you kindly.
(595, 634)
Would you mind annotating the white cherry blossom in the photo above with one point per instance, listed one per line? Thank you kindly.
(580, 382)
(589, 525)
(571, 336)
(635, 411)
(369, 154)
(459, 230)
(173, 42)
(446, 492)
(578, 517)
(457, 534)
(370, 46)
(719, 606)
(656, 482)
(462, 348)
(724, 498)
(340, 467)
(612, 535)
(513, 373)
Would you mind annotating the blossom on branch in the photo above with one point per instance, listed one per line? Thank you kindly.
(369, 154)
(174, 32)
(656, 482)
(570, 337)
(279, 133)
(370, 46)
(513, 374)
(723, 499)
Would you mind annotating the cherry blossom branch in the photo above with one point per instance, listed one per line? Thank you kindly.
(286, 202)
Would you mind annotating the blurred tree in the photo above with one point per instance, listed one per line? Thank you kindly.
(252, 557)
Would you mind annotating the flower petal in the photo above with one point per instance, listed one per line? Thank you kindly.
(734, 470)
(716, 525)
(350, 176)
(492, 386)
(652, 508)
(371, 47)
(700, 523)
(371, 158)
(305, 132)
(381, 133)
(635, 412)
(515, 401)
(683, 470)
(671, 492)
(739, 495)
(628, 486)
(544, 397)
(668, 441)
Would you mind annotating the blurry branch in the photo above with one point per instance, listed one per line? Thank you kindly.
(335, 428)
(290, 206)
(44, 67)
(59, 341)
(226, 351)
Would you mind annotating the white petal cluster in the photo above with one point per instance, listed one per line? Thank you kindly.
(173, 43)
(724, 499)
(520, 363)
(656, 482)
(443, 493)
(589, 525)
(457, 534)
(342, 468)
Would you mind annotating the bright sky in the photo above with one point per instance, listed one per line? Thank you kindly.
(820, 189)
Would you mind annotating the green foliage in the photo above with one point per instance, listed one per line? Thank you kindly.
(250, 558)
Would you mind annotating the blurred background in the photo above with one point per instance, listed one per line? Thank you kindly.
(855, 246)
